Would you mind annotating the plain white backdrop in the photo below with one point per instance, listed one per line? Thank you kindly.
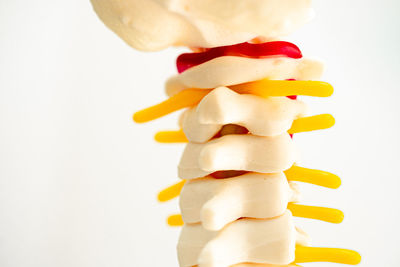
(78, 179)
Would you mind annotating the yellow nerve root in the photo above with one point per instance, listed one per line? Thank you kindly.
(171, 192)
(186, 98)
(267, 87)
(317, 213)
(312, 123)
(305, 124)
(263, 88)
(311, 176)
(295, 173)
(336, 255)
(175, 220)
(171, 137)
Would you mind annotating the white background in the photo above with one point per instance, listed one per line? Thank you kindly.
(78, 179)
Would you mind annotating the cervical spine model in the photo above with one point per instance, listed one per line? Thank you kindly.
(238, 193)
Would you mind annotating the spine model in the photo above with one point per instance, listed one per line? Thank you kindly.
(239, 89)
(238, 193)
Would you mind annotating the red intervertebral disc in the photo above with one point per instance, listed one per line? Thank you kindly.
(262, 50)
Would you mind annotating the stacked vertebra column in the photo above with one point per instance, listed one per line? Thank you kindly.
(234, 203)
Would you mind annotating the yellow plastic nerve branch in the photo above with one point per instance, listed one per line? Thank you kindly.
(295, 173)
(305, 124)
(171, 137)
(263, 88)
(312, 176)
(171, 192)
(317, 213)
(312, 123)
(186, 98)
(335, 255)
(175, 220)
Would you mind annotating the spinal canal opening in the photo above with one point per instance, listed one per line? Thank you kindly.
(231, 129)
